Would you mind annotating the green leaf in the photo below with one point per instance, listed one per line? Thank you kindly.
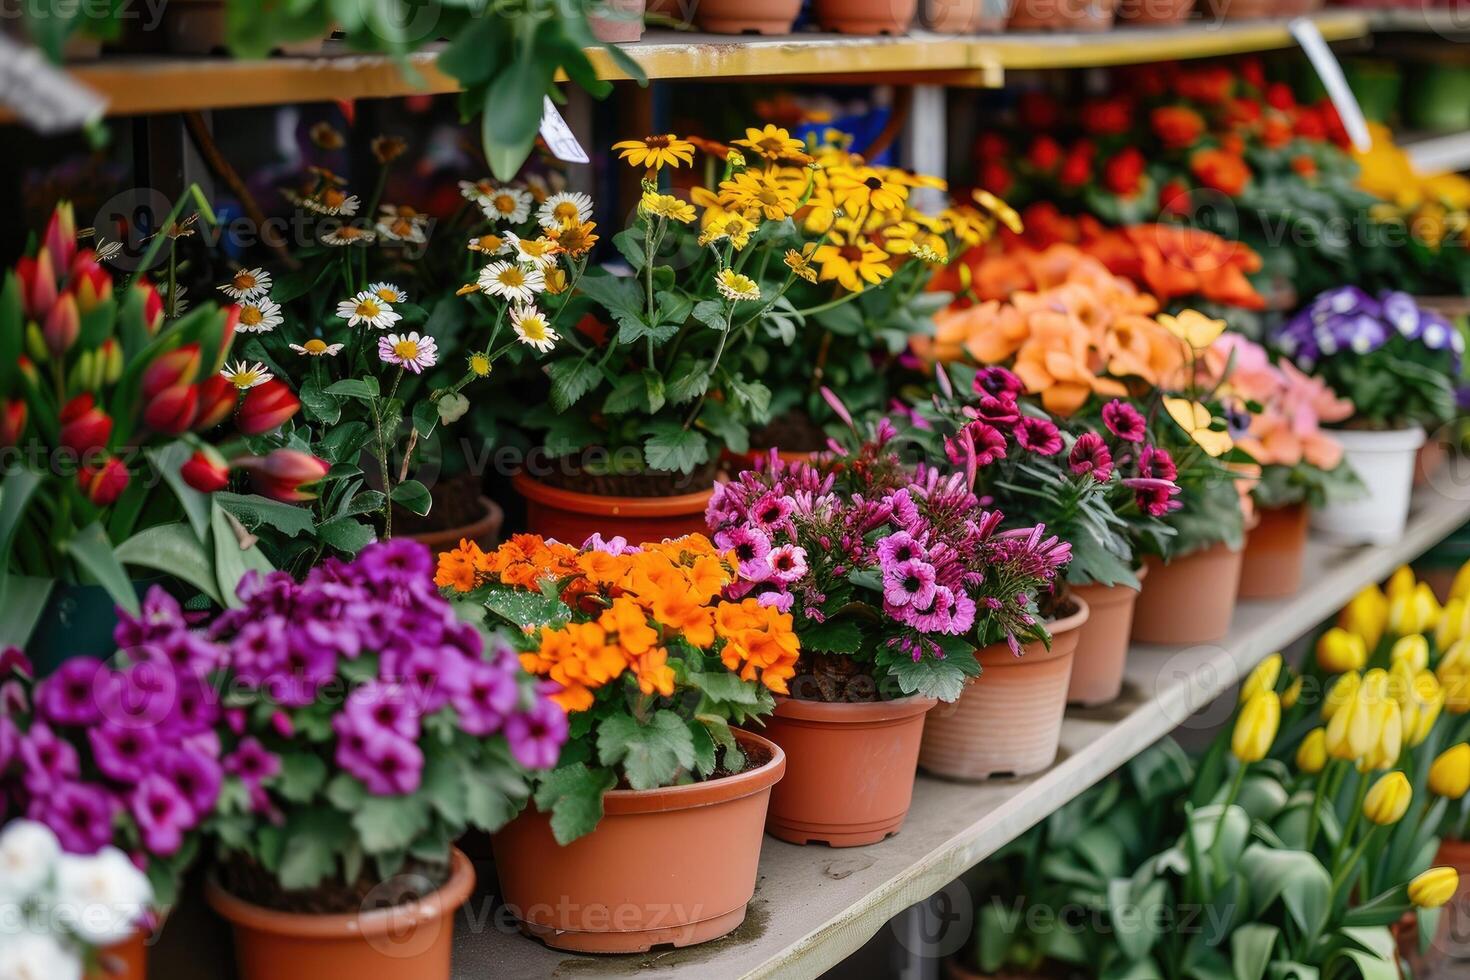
(711, 313)
(319, 405)
(23, 598)
(92, 551)
(445, 786)
(346, 534)
(231, 561)
(302, 776)
(365, 389)
(522, 608)
(1250, 950)
(513, 105)
(1297, 877)
(836, 635)
(673, 448)
(425, 418)
(346, 793)
(12, 330)
(15, 495)
(256, 512)
(573, 796)
(651, 755)
(174, 550)
(476, 51)
(168, 460)
(933, 678)
(389, 823)
(725, 687)
(313, 836)
(495, 790)
(413, 496)
(570, 380)
(654, 389)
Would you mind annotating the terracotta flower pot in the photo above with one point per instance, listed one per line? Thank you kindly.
(128, 960)
(1063, 15)
(866, 16)
(1102, 642)
(1275, 550)
(1452, 939)
(965, 16)
(405, 942)
(1189, 600)
(619, 21)
(572, 517)
(1154, 12)
(747, 16)
(1243, 9)
(485, 532)
(1009, 720)
(674, 865)
(849, 769)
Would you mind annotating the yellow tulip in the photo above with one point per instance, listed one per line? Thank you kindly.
(1353, 729)
(1255, 728)
(1456, 691)
(1460, 587)
(1434, 887)
(1366, 615)
(1292, 694)
(1452, 623)
(1413, 649)
(1311, 755)
(1263, 678)
(1388, 799)
(1400, 583)
(1388, 724)
(1455, 658)
(1375, 685)
(1413, 613)
(1430, 698)
(1339, 651)
(1343, 692)
(1449, 774)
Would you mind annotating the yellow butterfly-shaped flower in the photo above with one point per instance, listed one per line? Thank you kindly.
(1193, 327)
(1195, 419)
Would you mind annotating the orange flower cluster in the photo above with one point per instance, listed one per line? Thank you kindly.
(1079, 330)
(627, 608)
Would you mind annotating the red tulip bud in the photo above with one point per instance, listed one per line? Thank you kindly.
(179, 366)
(206, 471)
(89, 281)
(37, 284)
(61, 234)
(217, 399)
(171, 412)
(111, 357)
(104, 483)
(63, 325)
(284, 473)
(152, 305)
(84, 426)
(12, 421)
(227, 334)
(265, 407)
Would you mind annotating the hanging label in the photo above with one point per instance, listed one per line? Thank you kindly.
(41, 95)
(1309, 36)
(558, 135)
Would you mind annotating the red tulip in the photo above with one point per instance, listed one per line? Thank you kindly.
(179, 366)
(227, 334)
(282, 474)
(104, 483)
(84, 426)
(63, 325)
(89, 281)
(12, 421)
(61, 234)
(217, 399)
(171, 412)
(111, 356)
(265, 407)
(37, 284)
(152, 305)
(206, 471)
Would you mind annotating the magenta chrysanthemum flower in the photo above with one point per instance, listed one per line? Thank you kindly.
(1090, 456)
(987, 442)
(1039, 436)
(1157, 463)
(1124, 421)
(997, 381)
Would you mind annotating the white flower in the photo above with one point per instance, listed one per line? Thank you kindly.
(564, 208)
(349, 235)
(477, 190)
(332, 204)
(506, 204)
(517, 284)
(27, 851)
(489, 244)
(259, 316)
(408, 351)
(316, 347)
(104, 895)
(388, 293)
(402, 224)
(367, 308)
(247, 284)
(37, 956)
(531, 327)
(538, 252)
(245, 376)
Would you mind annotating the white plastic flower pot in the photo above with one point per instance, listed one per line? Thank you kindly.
(1384, 461)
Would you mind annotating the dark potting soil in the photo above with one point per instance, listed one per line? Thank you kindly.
(568, 473)
(794, 432)
(1053, 607)
(456, 503)
(246, 880)
(832, 677)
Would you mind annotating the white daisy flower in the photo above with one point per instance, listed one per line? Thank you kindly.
(477, 191)
(349, 235)
(245, 376)
(538, 252)
(531, 327)
(402, 228)
(369, 309)
(259, 316)
(507, 204)
(332, 203)
(316, 347)
(388, 292)
(732, 285)
(489, 244)
(513, 282)
(564, 208)
(247, 284)
(408, 351)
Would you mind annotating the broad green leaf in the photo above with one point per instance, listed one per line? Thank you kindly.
(1250, 949)
(1296, 877)
(651, 755)
(302, 776)
(724, 687)
(346, 534)
(256, 512)
(673, 448)
(174, 550)
(361, 388)
(312, 838)
(389, 823)
(92, 551)
(572, 794)
(413, 496)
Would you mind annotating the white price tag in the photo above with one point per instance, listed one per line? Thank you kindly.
(558, 135)
(41, 95)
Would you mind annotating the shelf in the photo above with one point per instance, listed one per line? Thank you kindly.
(143, 84)
(813, 906)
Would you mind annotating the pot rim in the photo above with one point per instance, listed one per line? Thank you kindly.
(626, 802)
(1380, 440)
(439, 904)
(601, 506)
(1035, 651)
(853, 712)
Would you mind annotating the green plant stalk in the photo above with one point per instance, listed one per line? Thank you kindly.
(1352, 825)
(1235, 786)
(719, 351)
(1314, 818)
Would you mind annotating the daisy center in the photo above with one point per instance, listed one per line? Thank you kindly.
(315, 346)
(368, 308)
(505, 204)
(565, 211)
(407, 349)
(512, 277)
(389, 296)
(332, 197)
(534, 328)
(244, 280)
(250, 316)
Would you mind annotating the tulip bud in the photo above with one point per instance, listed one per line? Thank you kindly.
(265, 407)
(1413, 613)
(63, 325)
(1460, 587)
(1430, 696)
(110, 360)
(1401, 583)
(179, 366)
(1292, 694)
(206, 470)
(171, 411)
(1412, 650)
(1434, 887)
(1375, 685)
(13, 414)
(104, 483)
(1451, 623)
(89, 281)
(37, 285)
(1263, 678)
(61, 234)
(36, 344)
(227, 336)
(1456, 686)
(1341, 694)
(84, 426)
(1255, 728)
(1449, 774)
(152, 305)
(283, 474)
(1366, 614)
(1311, 755)
(217, 399)
(1388, 724)
(1352, 731)
(1388, 799)
(1339, 651)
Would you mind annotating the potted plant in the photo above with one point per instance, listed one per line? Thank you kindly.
(1395, 363)
(901, 585)
(651, 666)
(1301, 465)
(866, 16)
(109, 391)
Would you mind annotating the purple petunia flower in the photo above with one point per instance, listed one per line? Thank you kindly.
(196, 776)
(79, 814)
(536, 736)
(70, 696)
(1090, 455)
(46, 761)
(1124, 421)
(986, 441)
(384, 706)
(997, 381)
(162, 814)
(490, 693)
(1039, 436)
(387, 764)
(123, 752)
